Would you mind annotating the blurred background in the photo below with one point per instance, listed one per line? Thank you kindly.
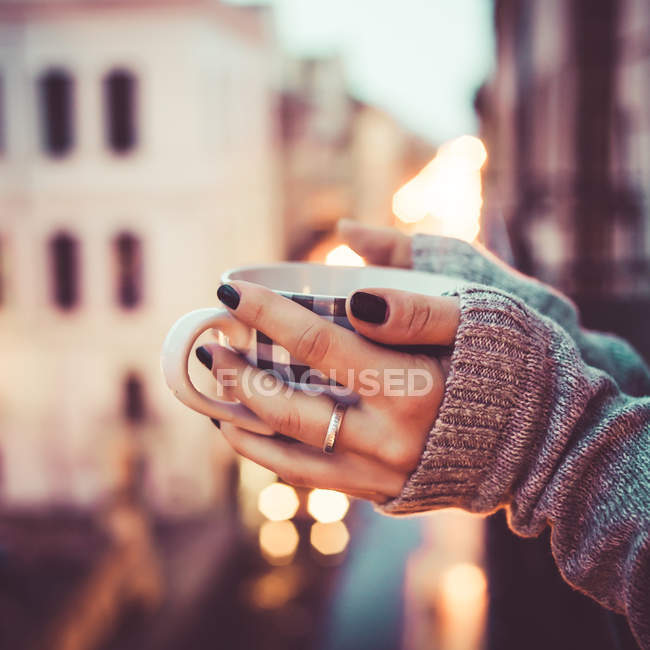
(148, 145)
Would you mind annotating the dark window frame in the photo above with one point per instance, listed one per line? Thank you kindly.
(65, 264)
(127, 250)
(56, 94)
(134, 399)
(3, 274)
(3, 115)
(120, 97)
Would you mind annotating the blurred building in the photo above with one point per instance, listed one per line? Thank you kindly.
(142, 153)
(341, 156)
(566, 120)
(137, 163)
(567, 124)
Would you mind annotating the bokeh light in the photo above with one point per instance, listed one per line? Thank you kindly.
(445, 197)
(343, 255)
(254, 477)
(463, 587)
(327, 506)
(278, 502)
(329, 539)
(278, 541)
(275, 588)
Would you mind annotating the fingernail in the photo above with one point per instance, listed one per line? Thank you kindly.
(204, 357)
(228, 296)
(215, 422)
(369, 307)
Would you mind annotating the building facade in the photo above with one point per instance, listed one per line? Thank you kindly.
(137, 163)
(566, 121)
(341, 157)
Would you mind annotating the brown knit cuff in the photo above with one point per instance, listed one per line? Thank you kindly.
(486, 423)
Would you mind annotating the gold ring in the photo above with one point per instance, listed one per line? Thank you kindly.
(333, 428)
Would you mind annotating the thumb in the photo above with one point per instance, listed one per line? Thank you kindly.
(404, 318)
(381, 246)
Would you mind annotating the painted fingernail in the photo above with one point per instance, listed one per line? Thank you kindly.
(204, 357)
(228, 296)
(215, 422)
(369, 307)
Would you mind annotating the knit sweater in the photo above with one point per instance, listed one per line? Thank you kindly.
(546, 420)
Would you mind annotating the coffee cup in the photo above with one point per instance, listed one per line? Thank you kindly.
(317, 287)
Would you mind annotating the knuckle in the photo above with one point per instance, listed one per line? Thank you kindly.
(293, 477)
(419, 317)
(398, 454)
(406, 407)
(313, 344)
(258, 312)
(287, 422)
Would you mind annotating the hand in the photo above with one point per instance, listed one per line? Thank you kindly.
(380, 246)
(382, 437)
(469, 262)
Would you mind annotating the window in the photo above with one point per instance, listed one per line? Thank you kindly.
(119, 107)
(2, 272)
(2, 115)
(56, 102)
(133, 406)
(64, 253)
(128, 256)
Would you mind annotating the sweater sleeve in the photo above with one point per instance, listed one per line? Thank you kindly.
(528, 425)
(475, 264)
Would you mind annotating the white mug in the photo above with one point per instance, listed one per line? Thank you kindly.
(320, 288)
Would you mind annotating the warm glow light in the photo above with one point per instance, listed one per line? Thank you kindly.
(445, 197)
(329, 539)
(327, 505)
(252, 480)
(463, 587)
(278, 541)
(254, 477)
(468, 151)
(344, 256)
(275, 589)
(278, 502)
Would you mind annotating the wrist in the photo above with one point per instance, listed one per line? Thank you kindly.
(491, 411)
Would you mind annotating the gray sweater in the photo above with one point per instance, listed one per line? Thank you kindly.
(547, 420)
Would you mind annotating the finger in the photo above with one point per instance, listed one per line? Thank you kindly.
(382, 246)
(292, 412)
(338, 353)
(304, 466)
(401, 317)
(376, 497)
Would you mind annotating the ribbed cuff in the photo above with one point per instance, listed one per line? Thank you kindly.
(486, 426)
(476, 264)
(454, 257)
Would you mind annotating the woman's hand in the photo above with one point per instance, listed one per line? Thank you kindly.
(469, 262)
(380, 246)
(382, 436)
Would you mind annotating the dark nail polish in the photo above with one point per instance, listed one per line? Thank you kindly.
(204, 357)
(215, 422)
(369, 307)
(228, 296)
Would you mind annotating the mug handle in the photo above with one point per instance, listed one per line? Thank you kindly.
(173, 362)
